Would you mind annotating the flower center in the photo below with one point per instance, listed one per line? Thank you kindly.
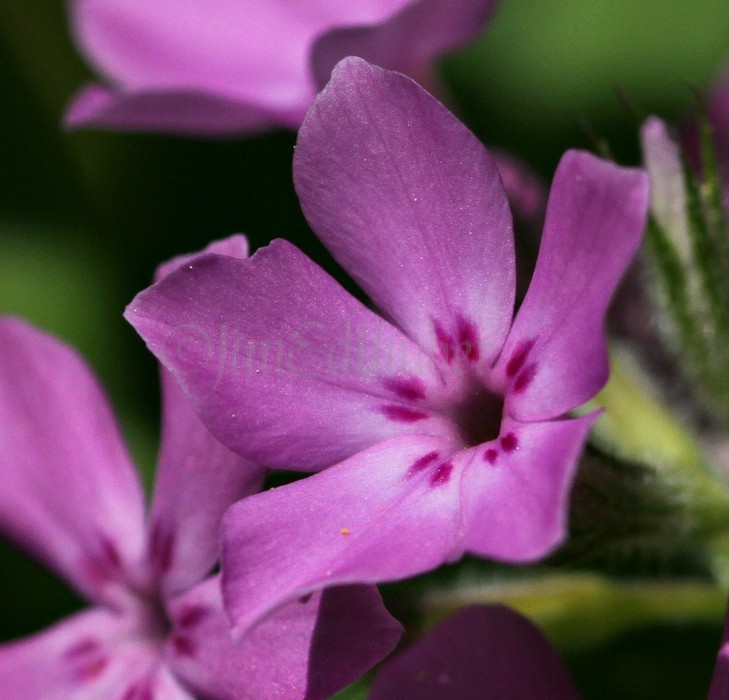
(157, 623)
(478, 415)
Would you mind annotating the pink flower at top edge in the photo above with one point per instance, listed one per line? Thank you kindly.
(155, 629)
(221, 67)
(445, 413)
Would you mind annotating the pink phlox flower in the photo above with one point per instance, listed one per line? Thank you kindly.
(220, 67)
(156, 629)
(444, 413)
(716, 111)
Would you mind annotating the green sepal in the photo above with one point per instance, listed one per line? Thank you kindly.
(644, 484)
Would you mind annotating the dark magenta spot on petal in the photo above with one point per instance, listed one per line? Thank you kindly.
(490, 455)
(442, 474)
(410, 388)
(192, 616)
(161, 547)
(84, 646)
(109, 552)
(422, 462)
(509, 442)
(518, 357)
(525, 378)
(105, 563)
(444, 342)
(91, 670)
(304, 599)
(468, 339)
(138, 691)
(402, 414)
(184, 646)
(96, 572)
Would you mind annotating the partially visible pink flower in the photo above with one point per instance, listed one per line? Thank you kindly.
(445, 414)
(718, 114)
(719, 689)
(231, 66)
(483, 651)
(670, 185)
(156, 629)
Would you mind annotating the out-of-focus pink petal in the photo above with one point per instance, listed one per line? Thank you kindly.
(408, 41)
(480, 652)
(170, 110)
(515, 498)
(595, 219)
(197, 477)
(70, 493)
(525, 191)
(411, 204)
(385, 514)
(249, 47)
(309, 648)
(720, 681)
(718, 114)
(94, 654)
(282, 364)
(248, 61)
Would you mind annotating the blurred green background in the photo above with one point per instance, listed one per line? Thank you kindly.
(85, 218)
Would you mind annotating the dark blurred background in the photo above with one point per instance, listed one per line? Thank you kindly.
(85, 217)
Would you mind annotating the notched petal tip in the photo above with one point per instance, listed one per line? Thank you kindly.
(594, 226)
(413, 208)
(592, 170)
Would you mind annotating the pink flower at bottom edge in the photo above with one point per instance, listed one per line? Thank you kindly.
(483, 651)
(719, 689)
(156, 629)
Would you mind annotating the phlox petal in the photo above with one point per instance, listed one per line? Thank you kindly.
(308, 648)
(413, 208)
(595, 218)
(384, 514)
(70, 493)
(284, 366)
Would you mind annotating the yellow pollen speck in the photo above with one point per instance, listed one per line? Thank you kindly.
(345, 531)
